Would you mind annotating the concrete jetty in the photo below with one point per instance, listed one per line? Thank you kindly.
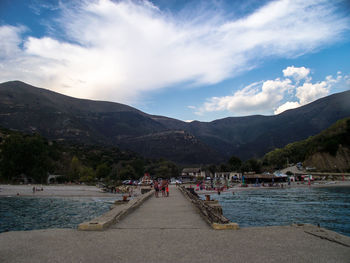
(170, 230)
(173, 212)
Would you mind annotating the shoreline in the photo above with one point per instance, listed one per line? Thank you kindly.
(55, 191)
(293, 185)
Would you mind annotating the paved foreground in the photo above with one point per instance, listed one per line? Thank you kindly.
(170, 230)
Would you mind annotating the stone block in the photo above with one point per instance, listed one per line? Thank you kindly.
(231, 226)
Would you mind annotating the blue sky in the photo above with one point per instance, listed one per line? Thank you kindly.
(190, 60)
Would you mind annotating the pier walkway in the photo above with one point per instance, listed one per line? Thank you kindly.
(169, 230)
(173, 212)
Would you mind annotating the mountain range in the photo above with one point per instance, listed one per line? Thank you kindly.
(58, 117)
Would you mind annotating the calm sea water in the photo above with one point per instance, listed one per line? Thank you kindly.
(329, 207)
(27, 213)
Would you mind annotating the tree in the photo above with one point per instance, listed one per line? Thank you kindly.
(102, 170)
(127, 172)
(12, 157)
(212, 169)
(86, 174)
(139, 167)
(26, 155)
(37, 158)
(235, 163)
(74, 172)
(166, 169)
(251, 165)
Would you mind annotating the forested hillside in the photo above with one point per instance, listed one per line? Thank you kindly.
(327, 151)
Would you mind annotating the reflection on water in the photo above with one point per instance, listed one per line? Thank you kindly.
(27, 213)
(329, 207)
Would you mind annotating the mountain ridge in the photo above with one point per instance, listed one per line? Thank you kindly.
(60, 117)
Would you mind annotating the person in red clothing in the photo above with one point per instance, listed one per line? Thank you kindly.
(167, 189)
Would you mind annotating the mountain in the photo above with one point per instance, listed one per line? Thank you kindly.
(59, 117)
(326, 151)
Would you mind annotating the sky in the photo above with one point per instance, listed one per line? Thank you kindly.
(189, 60)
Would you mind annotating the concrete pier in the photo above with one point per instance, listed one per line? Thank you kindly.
(170, 230)
(173, 212)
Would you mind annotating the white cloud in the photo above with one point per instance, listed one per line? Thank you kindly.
(287, 106)
(297, 73)
(10, 41)
(120, 50)
(258, 97)
(309, 92)
(273, 95)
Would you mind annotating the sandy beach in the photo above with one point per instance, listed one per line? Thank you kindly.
(53, 191)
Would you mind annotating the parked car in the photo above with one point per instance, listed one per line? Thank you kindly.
(175, 182)
(135, 182)
(146, 182)
(127, 182)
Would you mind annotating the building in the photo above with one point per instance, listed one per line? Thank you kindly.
(231, 176)
(194, 172)
(191, 174)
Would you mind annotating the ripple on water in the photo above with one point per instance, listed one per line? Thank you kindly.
(329, 207)
(27, 213)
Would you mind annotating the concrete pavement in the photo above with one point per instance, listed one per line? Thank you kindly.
(173, 212)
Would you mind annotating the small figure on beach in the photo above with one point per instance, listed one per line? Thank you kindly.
(33, 189)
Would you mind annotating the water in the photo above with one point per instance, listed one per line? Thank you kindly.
(28, 213)
(329, 207)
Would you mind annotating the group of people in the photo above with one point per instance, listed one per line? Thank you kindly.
(162, 186)
(36, 189)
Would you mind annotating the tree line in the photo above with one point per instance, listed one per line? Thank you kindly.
(35, 157)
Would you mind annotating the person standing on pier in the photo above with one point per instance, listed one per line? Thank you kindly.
(167, 188)
(163, 184)
(156, 188)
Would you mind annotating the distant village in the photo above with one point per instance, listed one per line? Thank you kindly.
(292, 173)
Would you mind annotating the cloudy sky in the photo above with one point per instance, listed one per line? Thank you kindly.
(190, 60)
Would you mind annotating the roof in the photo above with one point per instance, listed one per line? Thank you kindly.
(260, 176)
